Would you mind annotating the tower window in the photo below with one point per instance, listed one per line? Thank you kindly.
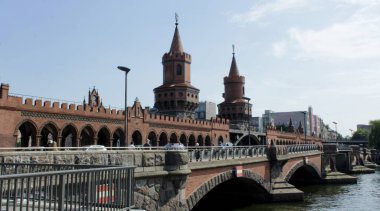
(179, 69)
(180, 94)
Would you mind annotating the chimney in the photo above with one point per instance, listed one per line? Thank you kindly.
(4, 91)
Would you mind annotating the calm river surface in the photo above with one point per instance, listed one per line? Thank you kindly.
(362, 196)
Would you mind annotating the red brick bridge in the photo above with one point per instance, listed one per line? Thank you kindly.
(198, 178)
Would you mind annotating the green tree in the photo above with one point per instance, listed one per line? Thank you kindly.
(374, 136)
(361, 134)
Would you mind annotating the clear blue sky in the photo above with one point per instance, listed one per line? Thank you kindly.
(293, 53)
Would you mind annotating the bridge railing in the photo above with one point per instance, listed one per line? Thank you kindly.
(204, 154)
(296, 149)
(341, 147)
(104, 188)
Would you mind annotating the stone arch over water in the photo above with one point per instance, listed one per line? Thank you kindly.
(303, 173)
(206, 196)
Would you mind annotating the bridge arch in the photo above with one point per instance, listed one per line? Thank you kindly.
(252, 182)
(191, 140)
(220, 140)
(69, 134)
(28, 133)
(163, 139)
(200, 140)
(173, 138)
(47, 129)
(183, 139)
(207, 140)
(87, 135)
(303, 173)
(152, 137)
(104, 136)
(137, 138)
(118, 138)
(244, 141)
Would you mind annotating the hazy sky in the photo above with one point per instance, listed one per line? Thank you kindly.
(293, 53)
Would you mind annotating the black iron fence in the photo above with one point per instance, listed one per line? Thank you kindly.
(85, 188)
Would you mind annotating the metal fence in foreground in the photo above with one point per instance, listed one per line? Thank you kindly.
(102, 188)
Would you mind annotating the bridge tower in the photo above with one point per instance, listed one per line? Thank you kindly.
(176, 96)
(235, 107)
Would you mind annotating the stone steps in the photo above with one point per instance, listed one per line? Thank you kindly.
(362, 170)
(370, 165)
(338, 178)
(283, 191)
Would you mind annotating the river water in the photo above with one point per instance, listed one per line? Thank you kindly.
(362, 196)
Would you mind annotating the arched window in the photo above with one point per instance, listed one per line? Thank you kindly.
(179, 69)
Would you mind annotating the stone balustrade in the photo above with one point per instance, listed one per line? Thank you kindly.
(283, 150)
(206, 154)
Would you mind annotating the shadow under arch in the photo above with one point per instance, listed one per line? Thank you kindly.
(104, 136)
(118, 138)
(303, 173)
(28, 132)
(69, 134)
(152, 137)
(87, 135)
(228, 192)
(47, 128)
(137, 138)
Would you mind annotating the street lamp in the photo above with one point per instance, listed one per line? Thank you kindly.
(304, 123)
(126, 70)
(249, 121)
(336, 132)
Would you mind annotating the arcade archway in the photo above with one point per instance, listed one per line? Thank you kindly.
(137, 138)
(27, 135)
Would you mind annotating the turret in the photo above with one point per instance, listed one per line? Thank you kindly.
(176, 96)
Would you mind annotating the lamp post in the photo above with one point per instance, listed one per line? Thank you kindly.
(126, 70)
(304, 123)
(336, 132)
(249, 121)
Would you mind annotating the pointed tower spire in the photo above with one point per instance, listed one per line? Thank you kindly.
(234, 71)
(300, 128)
(176, 42)
(291, 127)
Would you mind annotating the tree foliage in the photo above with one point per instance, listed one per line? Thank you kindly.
(374, 136)
(360, 134)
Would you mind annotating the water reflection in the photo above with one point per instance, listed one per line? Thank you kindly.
(362, 196)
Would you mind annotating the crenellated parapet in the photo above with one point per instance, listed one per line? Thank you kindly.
(235, 79)
(176, 55)
(30, 120)
(285, 138)
(30, 104)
